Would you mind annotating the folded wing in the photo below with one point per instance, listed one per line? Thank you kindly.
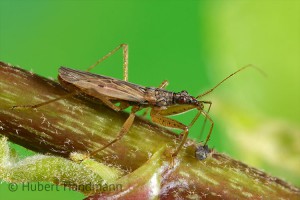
(95, 85)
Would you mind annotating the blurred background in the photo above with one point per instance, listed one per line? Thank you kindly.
(194, 45)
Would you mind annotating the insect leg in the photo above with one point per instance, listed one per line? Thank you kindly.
(211, 127)
(203, 126)
(158, 116)
(125, 60)
(46, 102)
(108, 103)
(125, 128)
(123, 105)
(163, 85)
(200, 111)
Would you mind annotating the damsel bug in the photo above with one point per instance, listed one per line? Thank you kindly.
(163, 103)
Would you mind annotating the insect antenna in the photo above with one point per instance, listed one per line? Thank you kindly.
(212, 89)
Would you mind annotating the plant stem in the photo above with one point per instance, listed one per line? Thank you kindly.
(80, 124)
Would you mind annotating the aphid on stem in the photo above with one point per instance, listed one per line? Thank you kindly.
(161, 102)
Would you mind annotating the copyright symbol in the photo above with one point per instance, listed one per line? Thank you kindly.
(12, 187)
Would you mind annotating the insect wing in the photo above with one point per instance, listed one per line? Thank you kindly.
(103, 85)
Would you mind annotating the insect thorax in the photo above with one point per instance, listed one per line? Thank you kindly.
(158, 97)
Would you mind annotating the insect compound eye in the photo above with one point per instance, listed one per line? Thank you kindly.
(194, 101)
(181, 99)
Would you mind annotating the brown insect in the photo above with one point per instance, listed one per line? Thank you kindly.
(162, 103)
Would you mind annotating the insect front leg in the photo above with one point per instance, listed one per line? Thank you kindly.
(125, 59)
(158, 116)
(211, 127)
(203, 126)
(125, 128)
(172, 110)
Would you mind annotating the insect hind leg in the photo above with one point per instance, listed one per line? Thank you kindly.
(45, 102)
(125, 59)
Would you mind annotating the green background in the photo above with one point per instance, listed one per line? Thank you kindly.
(194, 45)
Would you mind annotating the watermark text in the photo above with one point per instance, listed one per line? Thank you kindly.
(87, 187)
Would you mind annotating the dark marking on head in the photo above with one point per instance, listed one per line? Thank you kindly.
(184, 98)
